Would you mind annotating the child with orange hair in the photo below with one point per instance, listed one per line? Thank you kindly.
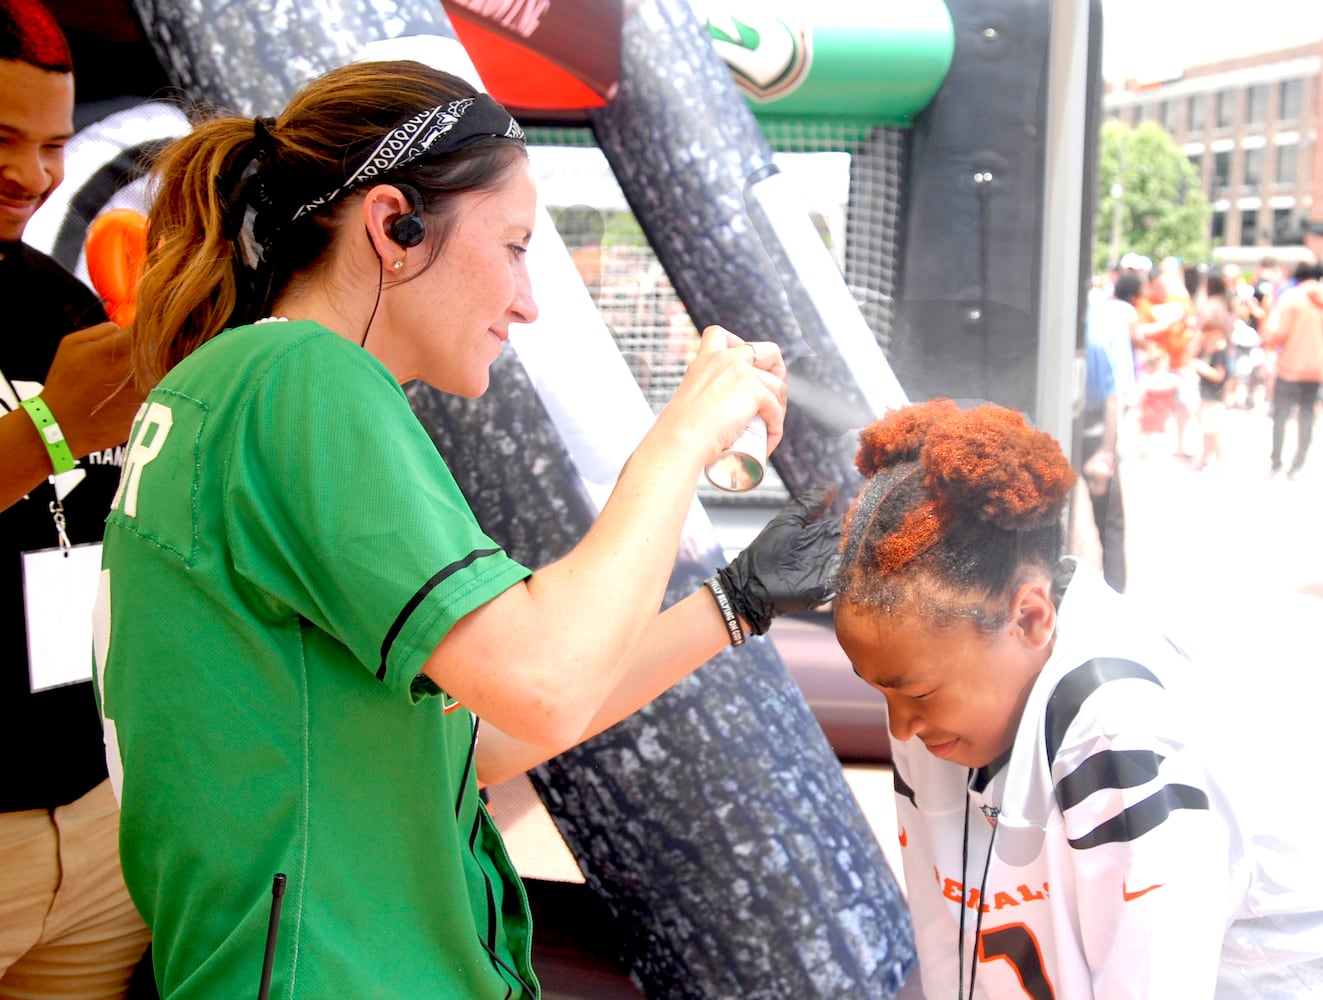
(1066, 826)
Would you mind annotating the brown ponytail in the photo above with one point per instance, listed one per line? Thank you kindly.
(188, 288)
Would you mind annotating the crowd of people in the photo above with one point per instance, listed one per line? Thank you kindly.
(1170, 349)
(286, 671)
(1206, 339)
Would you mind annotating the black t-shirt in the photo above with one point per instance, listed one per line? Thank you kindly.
(1211, 389)
(51, 749)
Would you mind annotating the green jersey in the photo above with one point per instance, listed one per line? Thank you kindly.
(285, 551)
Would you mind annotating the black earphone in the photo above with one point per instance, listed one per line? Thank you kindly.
(408, 230)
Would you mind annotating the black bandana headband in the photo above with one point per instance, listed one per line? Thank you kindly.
(434, 132)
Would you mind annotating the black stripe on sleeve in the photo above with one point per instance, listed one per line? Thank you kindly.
(418, 598)
(1072, 690)
(1109, 769)
(898, 783)
(1132, 823)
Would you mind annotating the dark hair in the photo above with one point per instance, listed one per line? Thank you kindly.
(1215, 285)
(1128, 287)
(1308, 271)
(200, 279)
(957, 504)
(30, 34)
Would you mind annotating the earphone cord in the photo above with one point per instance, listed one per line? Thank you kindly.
(982, 891)
(381, 276)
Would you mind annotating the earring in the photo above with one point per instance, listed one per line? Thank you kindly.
(397, 264)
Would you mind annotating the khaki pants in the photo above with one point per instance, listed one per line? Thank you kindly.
(67, 926)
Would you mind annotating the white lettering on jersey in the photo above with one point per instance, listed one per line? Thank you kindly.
(100, 650)
(151, 426)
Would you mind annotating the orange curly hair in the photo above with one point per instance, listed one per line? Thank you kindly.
(956, 503)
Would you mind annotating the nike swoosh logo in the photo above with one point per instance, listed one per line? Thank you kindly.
(1129, 896)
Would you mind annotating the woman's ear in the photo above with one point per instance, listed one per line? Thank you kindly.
(1033, 615)
(382, 205)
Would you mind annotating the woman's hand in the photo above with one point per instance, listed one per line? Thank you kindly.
(90, 388)
(729, 381)
(791, 566)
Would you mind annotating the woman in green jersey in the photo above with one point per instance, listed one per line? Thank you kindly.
(300, 619)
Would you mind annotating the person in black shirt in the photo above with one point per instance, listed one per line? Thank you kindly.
(67, 926)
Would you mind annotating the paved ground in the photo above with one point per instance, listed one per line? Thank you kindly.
(1231, 558)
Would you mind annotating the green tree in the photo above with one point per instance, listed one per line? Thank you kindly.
(1149, 197)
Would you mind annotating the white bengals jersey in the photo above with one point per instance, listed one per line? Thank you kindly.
(1127, 860)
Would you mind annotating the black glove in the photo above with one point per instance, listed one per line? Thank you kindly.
(790, 566)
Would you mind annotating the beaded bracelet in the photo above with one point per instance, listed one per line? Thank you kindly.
(727, 611)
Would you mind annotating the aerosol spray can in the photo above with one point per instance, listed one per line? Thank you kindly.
(740, 467)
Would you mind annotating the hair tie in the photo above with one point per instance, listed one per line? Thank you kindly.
(244, 191)
(263, 138)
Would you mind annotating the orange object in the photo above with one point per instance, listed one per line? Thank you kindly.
(1155, 409)
(116, 246)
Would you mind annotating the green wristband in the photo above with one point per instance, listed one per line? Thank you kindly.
(52, 437)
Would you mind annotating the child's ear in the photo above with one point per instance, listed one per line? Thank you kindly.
(1033, 615)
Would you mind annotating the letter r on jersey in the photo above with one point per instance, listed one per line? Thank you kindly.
(150, 428)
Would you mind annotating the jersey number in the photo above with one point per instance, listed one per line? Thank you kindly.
(1016, 945)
